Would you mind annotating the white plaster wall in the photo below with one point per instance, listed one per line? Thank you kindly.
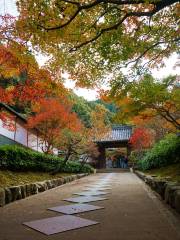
(32, 141)
(40, 144)
(55, 151)
(21, 134)
(21, 137)
(5, 132)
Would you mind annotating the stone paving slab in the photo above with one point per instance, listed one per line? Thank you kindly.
(97, 189)
(84, 199)
(91, 193)
(59, 224)
(75, 208)
(98, 186)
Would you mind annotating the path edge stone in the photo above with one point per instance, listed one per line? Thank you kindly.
(169, 191)
(13, 193)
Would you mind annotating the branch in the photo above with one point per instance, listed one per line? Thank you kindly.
(63, 25)
(149, 48)
(113, 27)
(166, 115)
(158, 5)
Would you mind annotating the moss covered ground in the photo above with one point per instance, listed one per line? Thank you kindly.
(171, 172)
(9, 178)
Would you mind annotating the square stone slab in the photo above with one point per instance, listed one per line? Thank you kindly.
(59, 224)
(84, 199)
(75, 208)
(94, 188)
(97, 189)
(91, 193)
(99, 185)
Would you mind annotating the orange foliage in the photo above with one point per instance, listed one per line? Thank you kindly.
(51, 118)
(144, 117)
(21, 79)
(7, 120)
(104, 95)
(142, 138)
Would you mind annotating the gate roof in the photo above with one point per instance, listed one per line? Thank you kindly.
(119, 133)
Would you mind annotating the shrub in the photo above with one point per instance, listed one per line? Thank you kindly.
(164, 153)
(17, 158)
(136, 156)
(76, 167)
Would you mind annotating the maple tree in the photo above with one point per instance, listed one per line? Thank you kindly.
(148, 98)
(20, 76)
(141, 138)
(80, 144)
(159, 126)
(92, 38)
(90, 152)
(99, 125)
(77, 145)
(19, 70)
(22, 82)
(52, 116)
(71, 136)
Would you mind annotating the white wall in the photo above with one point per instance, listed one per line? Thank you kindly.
(32, 141)
(5, 132)
(21, 134)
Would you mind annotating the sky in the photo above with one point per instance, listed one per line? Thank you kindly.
(8, 6)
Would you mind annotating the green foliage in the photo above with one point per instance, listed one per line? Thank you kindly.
(16, 158)
(76, 167)
(110, 106)
(97, 39)
(172, 172)
(148, 97)
(84, 109)
(164, 153)
(136, 156)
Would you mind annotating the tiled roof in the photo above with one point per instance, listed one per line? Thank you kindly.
(11, 110)
(118, 133)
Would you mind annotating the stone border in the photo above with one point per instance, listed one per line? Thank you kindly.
(11, 194)
(169, 191)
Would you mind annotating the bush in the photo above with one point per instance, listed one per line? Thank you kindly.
(77, 167)
(17, 158)
(136, 156)
(164, 153)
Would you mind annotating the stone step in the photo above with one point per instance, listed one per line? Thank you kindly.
(112, 170)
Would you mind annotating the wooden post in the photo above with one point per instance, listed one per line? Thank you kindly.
(128, 150)
(101, 158)
(15, 128)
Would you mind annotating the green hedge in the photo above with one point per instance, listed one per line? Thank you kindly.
(76, 167)
(164, 153)
(17, 158)
(136, 156)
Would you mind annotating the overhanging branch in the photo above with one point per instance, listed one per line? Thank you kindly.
(157, 6)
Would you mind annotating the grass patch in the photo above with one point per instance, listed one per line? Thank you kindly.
(172, 172)
(9, 178)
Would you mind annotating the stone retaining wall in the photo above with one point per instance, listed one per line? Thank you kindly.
(11, 194)
(169, 191)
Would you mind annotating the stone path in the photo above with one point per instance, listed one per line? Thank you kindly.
(132, 212)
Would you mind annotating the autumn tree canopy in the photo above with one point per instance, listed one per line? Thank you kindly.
(94, 37)
(51, 119)
(141, 138)
(148, 98)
